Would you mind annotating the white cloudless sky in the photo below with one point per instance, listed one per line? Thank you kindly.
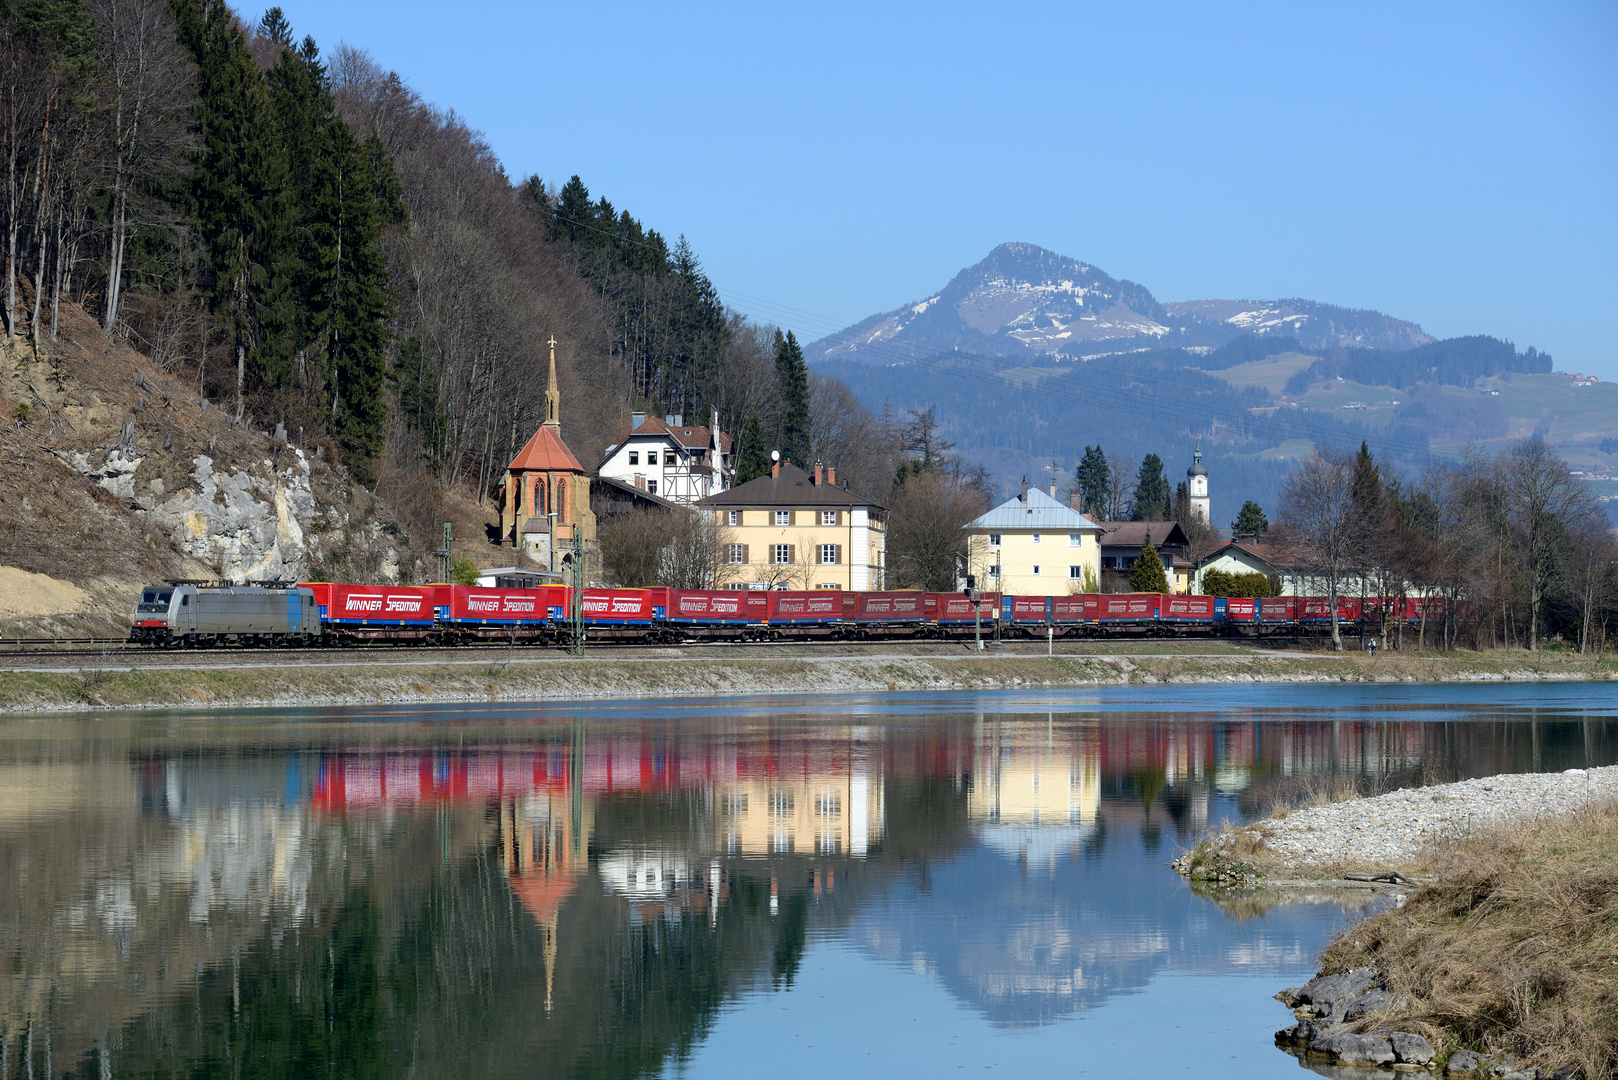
(1452, 164)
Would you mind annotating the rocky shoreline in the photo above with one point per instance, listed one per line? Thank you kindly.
(1406, 842)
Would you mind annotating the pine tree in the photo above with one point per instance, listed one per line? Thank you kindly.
(1094, 479)
(1368, 500)
(1147, 574)
(240, 198)
(1250, 523)
(573, 217)
(345, 194)
(792, 395)
(1151, 491)
(752, 458)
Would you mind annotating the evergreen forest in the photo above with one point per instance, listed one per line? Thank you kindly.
(311, 244)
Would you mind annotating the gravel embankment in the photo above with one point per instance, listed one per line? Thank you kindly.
(1390, 830)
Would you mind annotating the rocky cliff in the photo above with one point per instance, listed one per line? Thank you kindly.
(114, 471)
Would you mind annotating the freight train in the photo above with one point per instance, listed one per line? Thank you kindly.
(193, 614)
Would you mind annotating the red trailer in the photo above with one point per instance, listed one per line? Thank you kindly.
(890, 607)
(956, 609)
(1187, 609)
(1075, 609)
(1240, 609)
(374, 606)
(714, 608)
(814, 607)
(1278, 609)
(476, 605)
(612, 608)
(1128, 607)
(1433, 607)
(1025, 610)
(1318, 609)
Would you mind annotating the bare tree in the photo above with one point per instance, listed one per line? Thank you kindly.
(1319, 521)
(692, 548)
(679, 548)
(145, 82)
(848, 437)
(924, 529)
(1539, 492)
(1120, 485)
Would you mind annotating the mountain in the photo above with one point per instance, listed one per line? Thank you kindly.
(1028, 357)
(1023, 300)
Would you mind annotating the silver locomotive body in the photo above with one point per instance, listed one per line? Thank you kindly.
(187, 613)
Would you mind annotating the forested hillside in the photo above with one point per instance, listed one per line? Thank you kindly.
(307, 242)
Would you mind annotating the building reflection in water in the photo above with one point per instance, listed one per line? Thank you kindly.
(566, 891)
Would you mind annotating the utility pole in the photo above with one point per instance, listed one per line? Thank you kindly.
(576, 558)
(445, 554)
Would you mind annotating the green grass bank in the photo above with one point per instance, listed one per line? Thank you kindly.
(122, 680)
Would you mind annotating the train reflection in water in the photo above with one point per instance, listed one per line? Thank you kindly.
(506, 893)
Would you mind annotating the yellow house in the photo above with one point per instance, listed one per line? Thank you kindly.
(797, 530)
(1033, 545)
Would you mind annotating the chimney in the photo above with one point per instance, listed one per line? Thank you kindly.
(818, 476)
(775, 470)
(668, 418)
(679, 419)
(1076, 500)
(831, 477)
(1053, 489)
(1024, 496)
(636, 419)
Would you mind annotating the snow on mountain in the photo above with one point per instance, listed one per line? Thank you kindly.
(1022, 299)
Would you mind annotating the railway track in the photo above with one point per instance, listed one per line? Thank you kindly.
(116, 651)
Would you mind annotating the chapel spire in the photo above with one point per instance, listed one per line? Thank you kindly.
(553, 396)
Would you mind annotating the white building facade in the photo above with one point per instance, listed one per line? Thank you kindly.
(680, 462)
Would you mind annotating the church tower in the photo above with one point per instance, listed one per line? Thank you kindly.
(1197, 481)
(545, 504)
(553, 396)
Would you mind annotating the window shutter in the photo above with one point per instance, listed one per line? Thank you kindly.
(792, 552)
(745, 559)
(839, 559)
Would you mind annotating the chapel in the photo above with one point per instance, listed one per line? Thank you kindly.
(545, 502)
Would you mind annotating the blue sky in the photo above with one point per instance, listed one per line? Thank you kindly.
(1452, 164)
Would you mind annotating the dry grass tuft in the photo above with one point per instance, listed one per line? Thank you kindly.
(1514, 949)
(1309, 791)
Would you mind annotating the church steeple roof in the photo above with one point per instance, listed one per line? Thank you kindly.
(553, 396)
(545, 451)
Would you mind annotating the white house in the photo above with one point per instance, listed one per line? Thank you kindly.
(671, 459)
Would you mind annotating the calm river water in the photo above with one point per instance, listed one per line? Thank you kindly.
(864, 886)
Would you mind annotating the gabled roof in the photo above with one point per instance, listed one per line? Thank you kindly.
(1040, 511)
(1134, 534)
(1268, 554)
(688, 436)
(634, 494)
(545, 452)
(793, 487)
